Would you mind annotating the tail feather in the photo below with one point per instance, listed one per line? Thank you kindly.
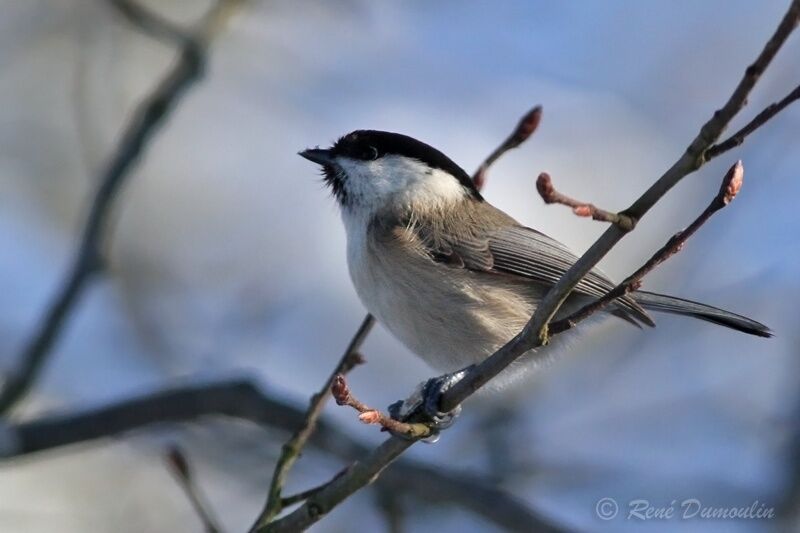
(679, 306)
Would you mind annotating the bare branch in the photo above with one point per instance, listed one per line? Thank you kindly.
(738, 138)
(526, 127)
(535, 332)
(291, 450)
(150, 22)
(369, 415)
(548, 192)
(731, 184)
(242, 400)
(140, 130)
(179, 465)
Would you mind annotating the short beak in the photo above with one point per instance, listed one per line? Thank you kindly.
(318, 156)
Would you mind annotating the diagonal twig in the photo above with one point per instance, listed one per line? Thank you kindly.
(738, 138)
(731, 184)
(294, 446)
(149, 116)
(179, 465)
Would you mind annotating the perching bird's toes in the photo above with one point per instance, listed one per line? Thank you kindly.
(423, 404)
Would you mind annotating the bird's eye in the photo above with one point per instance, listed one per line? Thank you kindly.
(371, 153)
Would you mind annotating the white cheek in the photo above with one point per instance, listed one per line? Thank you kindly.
(371, 184)
(435, 189)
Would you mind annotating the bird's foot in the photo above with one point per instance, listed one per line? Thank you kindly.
(423, 404)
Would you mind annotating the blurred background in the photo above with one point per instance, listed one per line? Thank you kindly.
(227, 257)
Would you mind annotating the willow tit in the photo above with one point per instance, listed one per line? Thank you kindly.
(447, 273)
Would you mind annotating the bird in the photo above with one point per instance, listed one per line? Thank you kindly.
(451, 276)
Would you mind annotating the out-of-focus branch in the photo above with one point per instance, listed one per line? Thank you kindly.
(140, 130)
(242, 400)
(394, 511)
(179, 465)
(153, 24)
(731, 184)
(535, 332)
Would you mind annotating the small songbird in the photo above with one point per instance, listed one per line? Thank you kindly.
(447, 273)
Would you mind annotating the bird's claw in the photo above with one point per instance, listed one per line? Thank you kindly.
(423, 404)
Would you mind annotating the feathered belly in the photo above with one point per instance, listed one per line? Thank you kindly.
(450, 317)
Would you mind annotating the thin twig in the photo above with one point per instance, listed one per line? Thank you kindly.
(731, 184)
(152, 23)
(369, 415)
(548, 192)
(140, 130)
(242, 400)
(535, 332)
(294, 446)
(738, 138)
(179, 465)
(526, 127)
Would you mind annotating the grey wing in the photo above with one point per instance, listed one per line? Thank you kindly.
(525, 252)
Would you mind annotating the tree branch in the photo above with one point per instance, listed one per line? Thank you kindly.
(291, 450)
(731, 184)
(535, 332)
(738, 138)
(242, 400)
(140, 130)
(548, 192)
(369, 415)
